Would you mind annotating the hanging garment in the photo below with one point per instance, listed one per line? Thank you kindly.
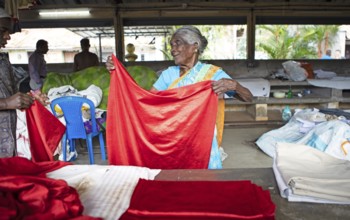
(45, 132)
(170, 129)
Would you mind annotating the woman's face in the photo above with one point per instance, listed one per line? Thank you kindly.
(184, 54)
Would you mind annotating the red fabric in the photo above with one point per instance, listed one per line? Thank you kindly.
(168, 130)
(37, 198)
(199, 200)
(25, 193)
(23, 166)
(45, 132)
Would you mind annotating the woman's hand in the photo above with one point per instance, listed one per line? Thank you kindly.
(224, 85)
(18, 101)
(109, 63)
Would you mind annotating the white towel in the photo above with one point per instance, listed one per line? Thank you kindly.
(105, 191)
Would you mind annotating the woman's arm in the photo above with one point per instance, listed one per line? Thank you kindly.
(223, 85)
(243, 94)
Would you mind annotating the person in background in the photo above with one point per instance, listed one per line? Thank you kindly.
(347, 54)
(10, 98)
(187, 43)
(327, 56)
(337, 55)
(85, 58)
(37, 66)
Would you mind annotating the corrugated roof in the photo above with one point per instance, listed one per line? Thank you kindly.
(137, 31)
(58, 38)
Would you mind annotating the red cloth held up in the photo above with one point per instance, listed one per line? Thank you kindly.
(45, 132)
(170, 200)
(170, 129)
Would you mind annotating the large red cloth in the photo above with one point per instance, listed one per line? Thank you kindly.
(32, 197)
(199, 200)
(25, 192)
(170, 129)
(45, 132)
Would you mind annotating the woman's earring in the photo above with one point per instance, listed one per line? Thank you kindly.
(196, 51)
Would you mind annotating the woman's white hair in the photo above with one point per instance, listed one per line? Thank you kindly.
(192, 35)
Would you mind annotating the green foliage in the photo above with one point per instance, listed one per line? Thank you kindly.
(322, 35)
(295, 42)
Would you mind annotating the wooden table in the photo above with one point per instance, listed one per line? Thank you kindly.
(265, 178)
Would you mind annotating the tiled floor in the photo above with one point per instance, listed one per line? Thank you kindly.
(238, 143)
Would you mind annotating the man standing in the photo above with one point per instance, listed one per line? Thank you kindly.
(10, 98)
(37, 65)
(327, 56)
(85, 58)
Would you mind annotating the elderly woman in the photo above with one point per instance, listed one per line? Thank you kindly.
(187, 43)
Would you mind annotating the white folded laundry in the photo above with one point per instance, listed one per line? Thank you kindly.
(307, 174)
